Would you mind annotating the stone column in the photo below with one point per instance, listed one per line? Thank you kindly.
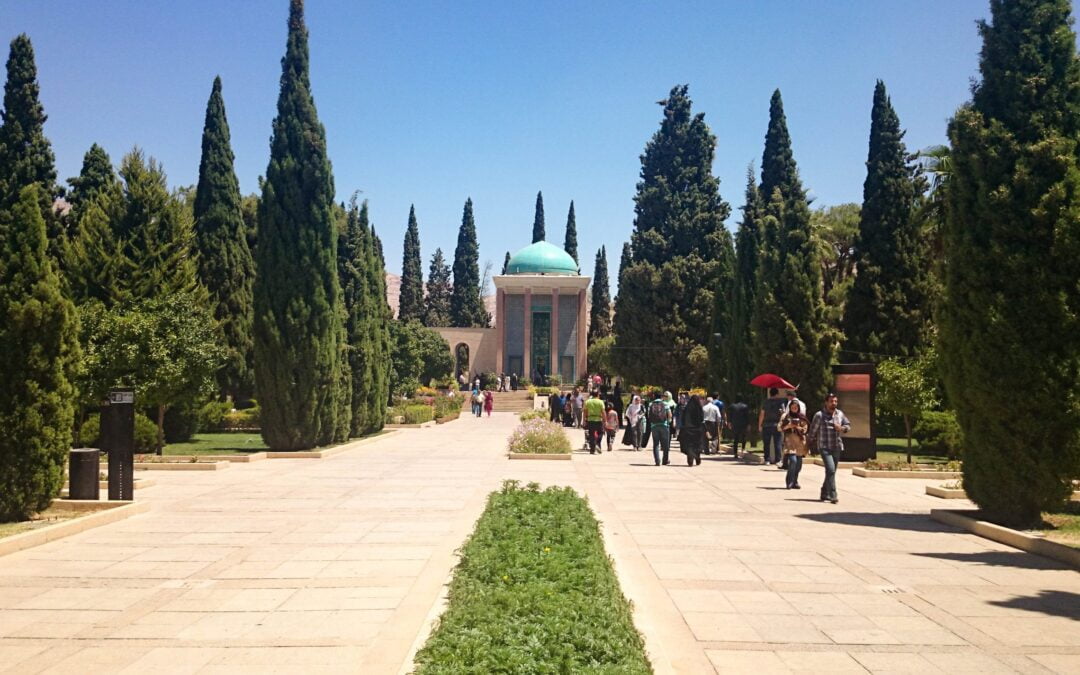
(582, 336)
(554, 369)
(527, 357)
(500, 330)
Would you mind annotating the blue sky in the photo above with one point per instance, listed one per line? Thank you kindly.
(429, 103)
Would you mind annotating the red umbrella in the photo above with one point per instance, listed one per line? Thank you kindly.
(769, 381)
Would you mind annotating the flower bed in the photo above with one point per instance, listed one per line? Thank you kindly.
(535, 593)
(534, 415)
(539, 436)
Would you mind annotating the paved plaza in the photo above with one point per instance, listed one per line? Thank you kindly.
(339, 565)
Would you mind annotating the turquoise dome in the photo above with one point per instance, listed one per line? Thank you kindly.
(542, 258)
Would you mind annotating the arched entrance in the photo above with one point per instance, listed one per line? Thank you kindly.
(461, 359)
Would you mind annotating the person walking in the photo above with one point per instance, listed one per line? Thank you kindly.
(768, 425)
(738, 420)
(489, 401)
(554, 406)
(611, 423)
(477, 401)
(616, 398)
(513, 382)
(680, 406)
(635, 417)
(794, 425)
(594, 421)
(692, 434)
(659, 419)
(577, 403)
(826, 429)
(712, 418)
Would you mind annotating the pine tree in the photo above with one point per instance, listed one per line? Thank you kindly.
(791, 334)
(538, 219)
(411, 300)
(738, 345)
(1009, 319)
(26, 156)
(225, 265)
(437, 311)
(570, 241)
(38, 332)
(600, 311)
(299, 328)
(506, 263)
(379, 325)
(682, 253)
(466, 305)
(95, 177)
(887, 310)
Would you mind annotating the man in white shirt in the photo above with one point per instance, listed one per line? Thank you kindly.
(712, 423)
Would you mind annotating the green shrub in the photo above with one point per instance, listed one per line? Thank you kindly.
(240, 420)
(212, 414)
(534, 415)
(544, 391)
(939, 433)
(446, 406)
(535, 592)
(182, 422)
(418, 414)
(89, 435)
(538, 436)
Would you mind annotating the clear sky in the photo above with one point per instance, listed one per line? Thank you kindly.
(432, 102)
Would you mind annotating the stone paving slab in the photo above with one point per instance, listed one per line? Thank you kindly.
(340, 566)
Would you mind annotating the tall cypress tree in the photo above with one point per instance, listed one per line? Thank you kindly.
(1011, 313)
(353, 262)
(92, 254)
(570, 241)
(226, 267)
(624, 260)
(411, 299)
(738, 344)
(96, 177)
(299, 327)
(506, 263)
(437, 310)
(466, 305)
(538, 219)
(379, 325)
(791, 333)
(682, 253)
(38, 333)
(26, 156)
(600, 311)
(887, 309)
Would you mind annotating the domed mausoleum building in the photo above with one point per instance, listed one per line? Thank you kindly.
(540, 320)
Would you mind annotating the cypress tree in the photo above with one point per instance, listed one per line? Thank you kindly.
(353, 273)
(26, 156)
(538, 219)
(624, 260)
(437, 311)
(682, 253)
(225, 265)
(411, 300)
(791, 334)
(298, 326)
(466, 305)
(1010, 315)
(506, 263)
(379, 326)
(600, 311)
(738, 344)
(95, 177)
(570, 241)
(38, 333)
(888, 304)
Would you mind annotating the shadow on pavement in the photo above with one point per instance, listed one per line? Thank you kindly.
(1020, 559)
(1054, 603)
(915, 522)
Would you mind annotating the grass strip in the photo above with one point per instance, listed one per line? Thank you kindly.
(535, 592)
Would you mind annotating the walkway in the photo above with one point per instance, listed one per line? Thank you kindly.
(338, 565)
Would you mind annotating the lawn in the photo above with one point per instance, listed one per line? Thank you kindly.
(219, 444)
(1064, 527)
(43, 519)
(895, 450)
(535, 593)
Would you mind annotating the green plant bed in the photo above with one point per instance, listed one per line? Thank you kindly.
(1064, 526)
(218, 444)
(535, 592)
(890, 456)
(900, 463)
(47, 517)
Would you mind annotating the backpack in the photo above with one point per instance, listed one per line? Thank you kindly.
(657, 412)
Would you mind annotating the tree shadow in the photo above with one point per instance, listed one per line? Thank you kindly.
(1054, 603)
(1019, 559)
(914, 522)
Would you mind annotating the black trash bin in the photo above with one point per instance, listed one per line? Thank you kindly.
(84, 469)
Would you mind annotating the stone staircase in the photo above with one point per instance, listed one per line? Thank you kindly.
(513, 401)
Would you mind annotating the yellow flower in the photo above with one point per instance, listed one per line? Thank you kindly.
(547, 549)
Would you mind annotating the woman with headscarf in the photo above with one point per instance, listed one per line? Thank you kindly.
(616, 399)
(692, 434)
(794, 425)
(635, 420)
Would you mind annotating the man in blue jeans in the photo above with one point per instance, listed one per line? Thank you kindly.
(768, 419)
(659, 417)
(825, 430)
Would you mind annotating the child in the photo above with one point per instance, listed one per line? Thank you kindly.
(611, 423)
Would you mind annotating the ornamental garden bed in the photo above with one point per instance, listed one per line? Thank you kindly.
(538, 438)
(1059, 541)
(946, 492)
(877, 469)
(178, 463)
(63, 519)
(535, 592)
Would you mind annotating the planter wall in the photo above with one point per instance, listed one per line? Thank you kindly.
(530, 455)
(1009, 537)
(874, 473)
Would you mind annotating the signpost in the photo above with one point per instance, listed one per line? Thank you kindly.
(118, 439)
(856, 386)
